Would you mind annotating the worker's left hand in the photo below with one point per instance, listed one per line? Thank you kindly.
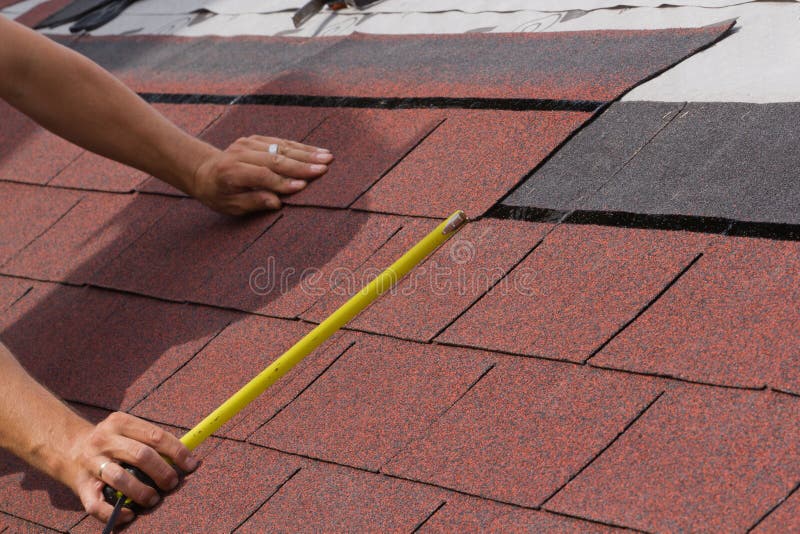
(246, 177)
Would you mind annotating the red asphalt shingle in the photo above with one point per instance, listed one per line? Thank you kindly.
(447, 283)
(295, 262)
(700, 458)
(470, 514)
(185, 65)
(231, 483)
(586, 65)
(525, 429)
(90, 171)
(181, 251)
(90, 235)
(123, 345)
(26, 212)
(731, 320)
(242, 350)
(11, 290)
(786, 518)
(578, 288)
(469, 162)
(378, 396)
(30, 153)
(366, 144)
(325, 498)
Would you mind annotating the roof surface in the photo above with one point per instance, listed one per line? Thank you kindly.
(605, 346)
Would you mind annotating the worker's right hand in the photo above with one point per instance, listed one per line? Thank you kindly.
(124, 438)
(247, 177)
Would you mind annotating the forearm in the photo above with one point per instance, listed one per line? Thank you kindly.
(46, 444)
(76, 99)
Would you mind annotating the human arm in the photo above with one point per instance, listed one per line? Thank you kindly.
(78, 100)
(70, 449)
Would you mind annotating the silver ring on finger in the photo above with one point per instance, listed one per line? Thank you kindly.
(273, 149)
(102, 467)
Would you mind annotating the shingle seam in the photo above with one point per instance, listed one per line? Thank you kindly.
(64, 167)
(396, 163)
(492, 286)
(636, 152)
(257, 508)
(605, 448)
(775, 507)
(423, 433)
(646, 307)
(181, 366)
(43, 526)
(432, 485)
(40, 234)
(303, 390)
(505, 104)
(428, 517)
(597, 367)
(355, 269)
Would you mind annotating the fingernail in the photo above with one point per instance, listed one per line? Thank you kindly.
(173, 484)
(153, 501)
(323, 150)
(191, 463)
(297, 184)
(324, 156)
(318, 168)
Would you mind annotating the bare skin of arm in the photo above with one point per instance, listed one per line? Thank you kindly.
(76, 99)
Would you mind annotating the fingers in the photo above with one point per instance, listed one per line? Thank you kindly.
(160, 441)
(257, 177)
(91, 496)
(283, 165)
(118, 478)
(286, 145)
(252, 201)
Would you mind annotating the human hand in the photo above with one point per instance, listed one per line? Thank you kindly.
(247, 177)
(123, 438)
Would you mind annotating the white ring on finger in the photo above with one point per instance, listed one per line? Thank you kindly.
(102, 467)
(273, 148)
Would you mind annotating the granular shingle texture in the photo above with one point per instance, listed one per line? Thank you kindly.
(722, 458)
(472, 160)
(90, 171)
(181, 251)
(366, 143)
(714, 160)
(594, 156)
(524, 430)
(731, 320)
(212, 65)
(595, 65)
(377, 397)
(30, 153)
(451, 280)
(117, 295)
(239, 353)
(296, 261)
(326, 498)
(70, 337)
(786, 518)
(27, 212)
(576, 290)
(469, 514)
(90, 235)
